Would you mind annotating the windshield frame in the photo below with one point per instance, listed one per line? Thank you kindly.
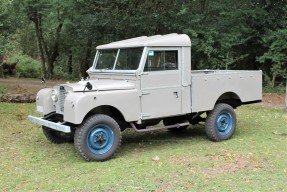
(114, 70)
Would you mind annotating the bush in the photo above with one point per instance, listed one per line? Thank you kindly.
(26, 66)
(2, 90)
(59, 73)
(281, 89)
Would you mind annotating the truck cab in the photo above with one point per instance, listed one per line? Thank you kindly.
(137, 83)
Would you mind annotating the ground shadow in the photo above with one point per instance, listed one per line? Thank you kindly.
(132, 140)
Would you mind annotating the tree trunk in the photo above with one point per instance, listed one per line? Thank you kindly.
(70, 63)
(204, 6)
(53, 53)
(286, 96)
(84, 65)
(1, 72)
(273, 80)
(36, 17)
(38, 29)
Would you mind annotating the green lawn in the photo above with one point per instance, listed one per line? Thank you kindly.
(255, 159)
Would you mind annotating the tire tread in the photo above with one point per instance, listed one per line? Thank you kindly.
(210, 129)
(54, 136)
(80, 131)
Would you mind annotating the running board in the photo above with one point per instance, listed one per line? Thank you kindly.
(178, 125)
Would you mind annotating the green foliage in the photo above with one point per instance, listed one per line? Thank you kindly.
(281, 89)
(26, 66)
(2, 90)
(2, 47)
(276, 55)
(6, 29)
(246, 34)
(61, 74)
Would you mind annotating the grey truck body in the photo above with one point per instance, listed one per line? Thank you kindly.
(148, 89)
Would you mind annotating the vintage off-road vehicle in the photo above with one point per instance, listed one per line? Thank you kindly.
(137, 83)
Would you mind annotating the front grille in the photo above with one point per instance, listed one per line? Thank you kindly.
(61, 100)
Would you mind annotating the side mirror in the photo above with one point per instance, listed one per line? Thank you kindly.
(43, 81)
(89, 86)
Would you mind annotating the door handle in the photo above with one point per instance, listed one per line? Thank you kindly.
(176, 94)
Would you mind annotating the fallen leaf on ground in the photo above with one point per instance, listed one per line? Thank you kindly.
(155, 158)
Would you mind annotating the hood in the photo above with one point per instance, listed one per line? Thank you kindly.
(102, 85)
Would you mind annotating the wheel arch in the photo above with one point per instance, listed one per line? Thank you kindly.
(110, 111)
(229, 98)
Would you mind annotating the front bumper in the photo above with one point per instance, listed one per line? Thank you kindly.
(50, 124)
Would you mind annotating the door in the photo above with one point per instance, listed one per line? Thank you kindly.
(161, 84)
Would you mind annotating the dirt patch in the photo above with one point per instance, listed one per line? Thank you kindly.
(22, 90)
(273, 100)
(231, 163)
(31, 84)
(221, 164)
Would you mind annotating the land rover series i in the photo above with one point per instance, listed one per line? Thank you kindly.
(138, 83)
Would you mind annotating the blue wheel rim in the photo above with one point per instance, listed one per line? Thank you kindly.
(224, 123)
(100, 139)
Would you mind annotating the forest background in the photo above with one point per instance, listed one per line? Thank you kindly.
(57, 38)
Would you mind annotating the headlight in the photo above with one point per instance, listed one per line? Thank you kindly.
(54, 98)
(54, 95)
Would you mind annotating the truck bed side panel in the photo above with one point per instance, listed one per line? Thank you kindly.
(207, 87)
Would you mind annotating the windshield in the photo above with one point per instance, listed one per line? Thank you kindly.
(119, 59)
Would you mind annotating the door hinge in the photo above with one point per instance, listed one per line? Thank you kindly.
(144, 93)
(185, 84)
(144, 115)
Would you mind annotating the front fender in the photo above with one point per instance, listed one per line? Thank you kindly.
(79, 104)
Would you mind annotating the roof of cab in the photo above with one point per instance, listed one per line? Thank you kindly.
(170, 40)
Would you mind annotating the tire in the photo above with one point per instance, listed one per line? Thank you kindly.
(168, 122)
(98, 138)
(57, 137)
(220, 123)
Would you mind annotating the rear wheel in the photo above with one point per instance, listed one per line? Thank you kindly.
(221, 122)
(98, 138)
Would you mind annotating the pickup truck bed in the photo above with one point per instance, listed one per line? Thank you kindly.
(210, 85)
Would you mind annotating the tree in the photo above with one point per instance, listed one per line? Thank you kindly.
(225, 34)
(48, 18)
(34, 10)
(7, 29)
(276, 56)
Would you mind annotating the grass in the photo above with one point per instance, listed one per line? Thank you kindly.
(255, 159)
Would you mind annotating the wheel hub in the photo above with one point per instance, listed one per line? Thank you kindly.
(100, 139)
(224, 123)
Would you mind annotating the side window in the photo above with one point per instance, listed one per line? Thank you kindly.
(161, 61)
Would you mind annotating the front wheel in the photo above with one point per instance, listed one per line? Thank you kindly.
(57, 137)
(220, 123)
(98, 138)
